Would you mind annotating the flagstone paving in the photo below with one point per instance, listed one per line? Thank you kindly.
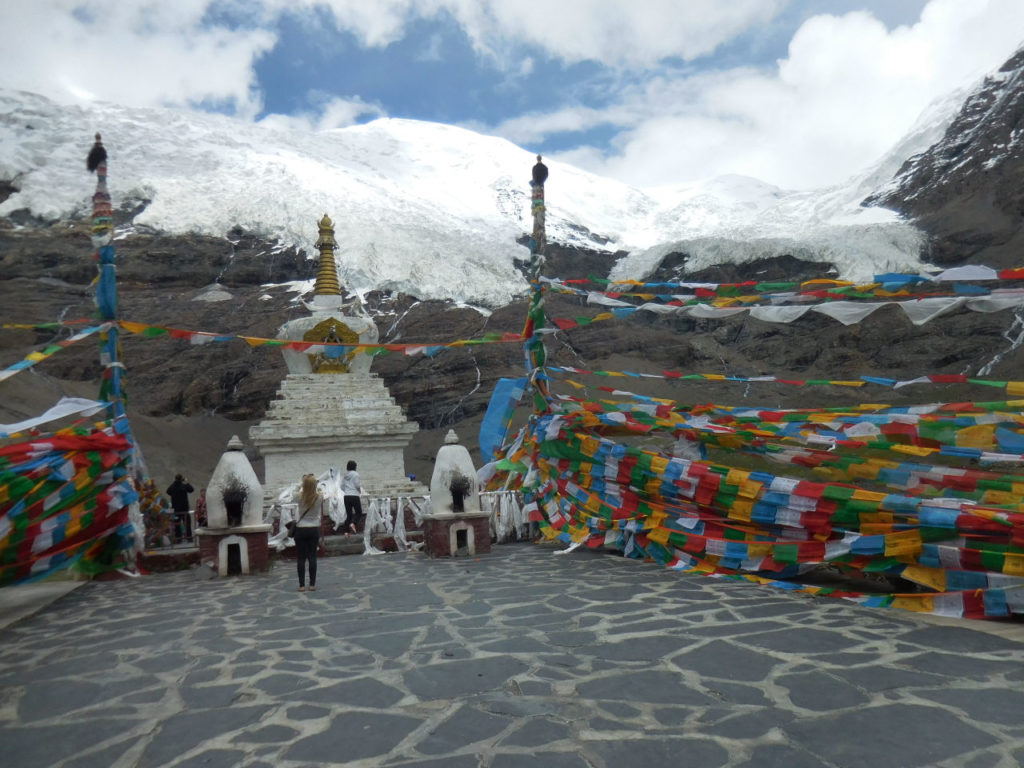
(515, 658)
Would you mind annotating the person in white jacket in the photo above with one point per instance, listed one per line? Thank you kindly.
(352, 489)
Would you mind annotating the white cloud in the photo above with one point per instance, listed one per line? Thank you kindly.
(612, 32)
(609, 31)
(375, 23)
(329, 112)
(848, 90)
(134, 53)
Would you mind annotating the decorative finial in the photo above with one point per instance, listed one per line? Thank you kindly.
(235, 444)
(97, 155)
(540, 173)
(451, 438)
(327, 272)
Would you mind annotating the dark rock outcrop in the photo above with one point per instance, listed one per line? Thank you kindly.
(967, 191)
(162, 281)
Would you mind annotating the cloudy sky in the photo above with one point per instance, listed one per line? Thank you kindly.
(799, 93)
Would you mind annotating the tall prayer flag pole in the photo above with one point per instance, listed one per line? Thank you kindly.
(106, 286)
(536, 354)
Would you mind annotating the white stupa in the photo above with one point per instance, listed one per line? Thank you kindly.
(330, 409)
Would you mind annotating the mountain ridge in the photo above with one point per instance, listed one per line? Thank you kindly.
(403, 194)
(965, 190)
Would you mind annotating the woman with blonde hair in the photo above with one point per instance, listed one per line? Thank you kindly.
(306, 531)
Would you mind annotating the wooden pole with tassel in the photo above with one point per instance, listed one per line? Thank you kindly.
(536, 320)
(106, 285)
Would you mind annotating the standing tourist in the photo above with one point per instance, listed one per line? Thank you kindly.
(179, 491)
(351, 489)
(307, 531)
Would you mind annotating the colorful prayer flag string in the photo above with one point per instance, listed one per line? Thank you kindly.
(36, 357)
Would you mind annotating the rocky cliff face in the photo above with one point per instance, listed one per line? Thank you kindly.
(967, 191)
(234, 287)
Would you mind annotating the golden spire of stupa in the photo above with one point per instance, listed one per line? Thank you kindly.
(327, 273)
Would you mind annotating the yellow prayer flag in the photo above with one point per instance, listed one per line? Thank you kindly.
(903, 543)
(824, 281)
(862, 495)
(820, 418)
(579, 535)
(1015, 388)
(736, 476)
(749, 489)
(659, 535)
(757, 550)
(999, 497)
(930, 577)
(913, 450)
(916, 603)
(881, 516)
(979, 436)
(865, 471)
(654, 520)
(875, 529)
(1013, 564)
(740, 510)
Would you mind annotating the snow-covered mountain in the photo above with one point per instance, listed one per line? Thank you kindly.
(427, 209)
(967, 189)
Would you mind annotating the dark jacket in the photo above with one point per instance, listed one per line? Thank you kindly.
(540, 174)
(179, 491)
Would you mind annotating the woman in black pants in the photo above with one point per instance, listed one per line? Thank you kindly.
(307, 531)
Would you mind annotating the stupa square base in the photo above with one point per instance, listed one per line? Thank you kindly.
(222, 546)
(460, 535)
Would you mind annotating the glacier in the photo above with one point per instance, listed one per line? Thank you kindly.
(428, 209)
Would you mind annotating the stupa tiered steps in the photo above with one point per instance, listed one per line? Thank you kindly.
(319, 421)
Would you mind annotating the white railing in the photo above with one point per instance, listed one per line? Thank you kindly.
(385, 516)
(508, 519)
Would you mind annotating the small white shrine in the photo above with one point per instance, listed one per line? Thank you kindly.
(330, 409)
(235, 537)
(456, 524)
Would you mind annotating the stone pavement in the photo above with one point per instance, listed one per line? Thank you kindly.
(516, 658)
(16, 603)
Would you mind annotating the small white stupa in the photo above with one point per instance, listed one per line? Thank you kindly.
(235, 537)
(453, 468)
(330, 409)
(456, 525)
